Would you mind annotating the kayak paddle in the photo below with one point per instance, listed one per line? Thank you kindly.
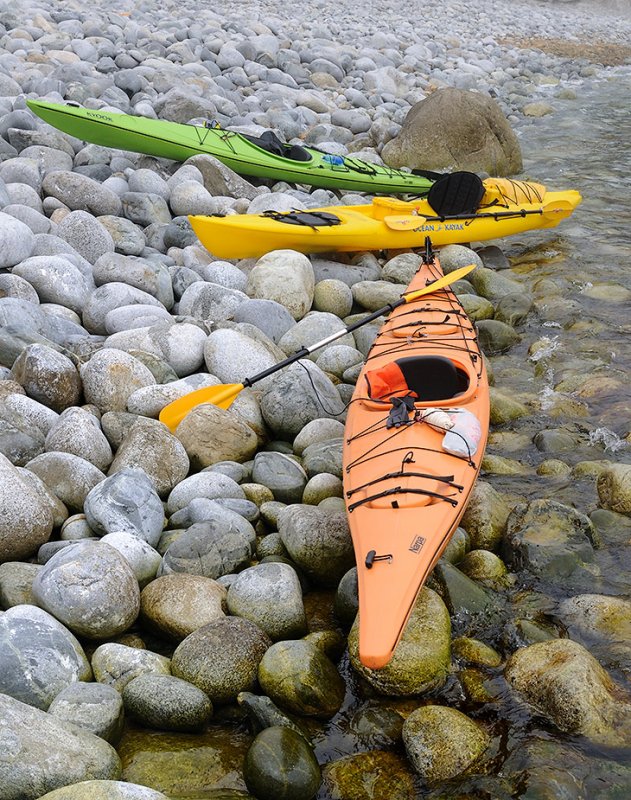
(410, 222)
(224, 394)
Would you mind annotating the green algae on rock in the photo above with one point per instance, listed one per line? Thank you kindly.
(373, 775)
(422, 657)
(442, 742)
(280, 765)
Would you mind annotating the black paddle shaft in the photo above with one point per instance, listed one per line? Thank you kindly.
(305, 351)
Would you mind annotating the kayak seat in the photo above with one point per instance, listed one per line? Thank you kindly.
(433, 377)
(426, 378)
(456, 193)
(272, 144)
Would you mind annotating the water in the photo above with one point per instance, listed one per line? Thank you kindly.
(579, 274)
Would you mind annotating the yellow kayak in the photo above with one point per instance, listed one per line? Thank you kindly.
(507, 207)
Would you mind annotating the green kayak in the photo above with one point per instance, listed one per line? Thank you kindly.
(261, 157)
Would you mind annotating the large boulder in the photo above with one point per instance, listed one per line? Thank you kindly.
(468, 132)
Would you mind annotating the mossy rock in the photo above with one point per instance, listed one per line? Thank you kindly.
(280, 765)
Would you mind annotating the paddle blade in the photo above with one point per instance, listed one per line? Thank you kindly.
(406, 222)
(222, 396)
(446, 280)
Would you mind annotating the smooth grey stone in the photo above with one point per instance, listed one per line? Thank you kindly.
(270, 596)
(233, 469)
(238, 646)
(68, 476)
(17, 240)
(14, 286)
(209, 485)
(56, 280)
(126, 318)
(128, 237)
(23, 318)
(210, 301)
(179, 233)
(151, 447)
(147, 181)
(269, 316)
(48, 376)
(367, 268)
(48, 753)
(94, 707)
(26, 521)
(154, 279)
(144, 208)
(113, 295)
(211, 548)
(91, 588)
(323, 457)
(126, 501)
(111, 376)
(167, 703)
(76, 528)
(81, 193)
(312, 328)
(86, 235)
(201, 509)
(220, 180)
(140, 556)
(50, 549)
(16, 580)
(38, 656)
(280, 473)
(37, 222)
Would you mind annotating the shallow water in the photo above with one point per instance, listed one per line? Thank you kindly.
(585, 145)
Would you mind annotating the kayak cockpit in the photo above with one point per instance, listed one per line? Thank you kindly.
(269, 142)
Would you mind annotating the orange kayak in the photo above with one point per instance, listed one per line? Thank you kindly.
(415, 435)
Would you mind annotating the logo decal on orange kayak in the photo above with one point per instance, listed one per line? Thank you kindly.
(417, 544)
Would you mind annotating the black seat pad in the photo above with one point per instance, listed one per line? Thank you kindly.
(433, 378)
(457, 193)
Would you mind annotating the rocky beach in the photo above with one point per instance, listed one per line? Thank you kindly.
(178, 608)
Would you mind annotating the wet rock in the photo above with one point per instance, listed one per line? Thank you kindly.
(571, 690)
(370, 776)
(166, 703)
(280, 764)
(473, 651)
(614, 488)
(285, 277)
(298, 676)
(442, 742)
(126, 502)
(484, 567)
(176, 605)
(38, 656)
(318, 542)
(263, 713)
(476, 308)
(513, 308)
(495, 336)
(505, 408)
(346, 598)
(548, 539)
(237, 646)
(117, 664)
(463, 596)
(48, 753)
(94, 707)
(91, 588)
(105, 790)
(485, 516)
(601, 622)
(270, 596)
(421, 659)
(26, 521)
(48, 376)
(207, 761)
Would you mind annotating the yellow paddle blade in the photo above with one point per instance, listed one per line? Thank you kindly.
(446, 280)
(221, 396)
(406, 222)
